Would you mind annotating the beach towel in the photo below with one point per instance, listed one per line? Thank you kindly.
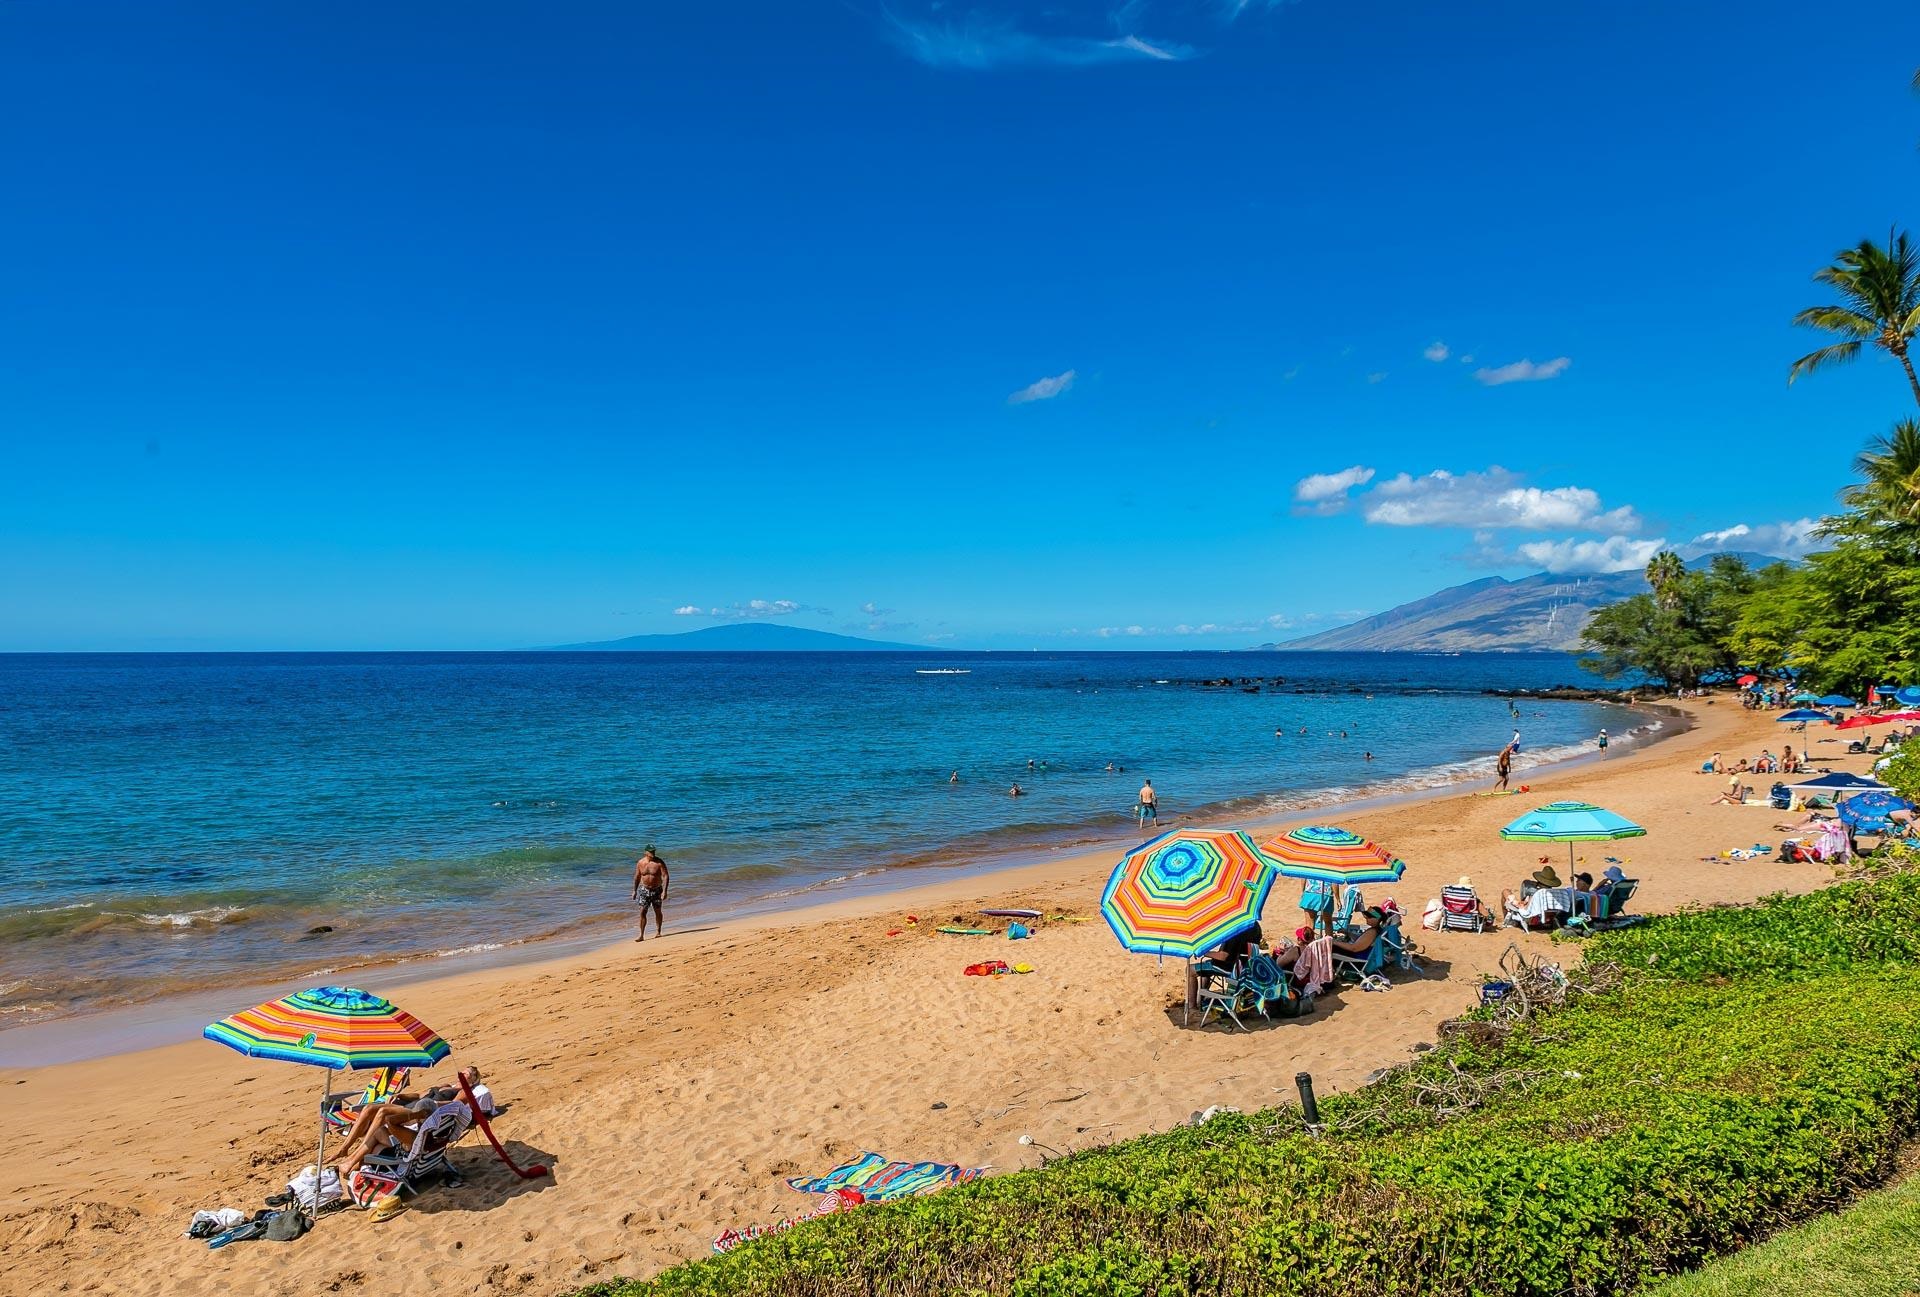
(825, 1205)
(879, 1180)
(1314, 968)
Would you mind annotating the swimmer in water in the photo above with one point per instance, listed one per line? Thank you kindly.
(954, 778)
(1369, 756)
(1015, 791)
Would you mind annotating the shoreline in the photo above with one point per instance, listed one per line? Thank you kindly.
(674, 1085)
(154, 1021)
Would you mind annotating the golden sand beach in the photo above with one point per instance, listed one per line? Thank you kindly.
(672, 1085)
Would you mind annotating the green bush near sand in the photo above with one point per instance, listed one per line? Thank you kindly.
(1872, 1249)
(1749, 1068)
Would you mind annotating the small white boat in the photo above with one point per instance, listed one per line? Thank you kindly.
(943, 671)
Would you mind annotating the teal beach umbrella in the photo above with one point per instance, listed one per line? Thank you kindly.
(1571, 822)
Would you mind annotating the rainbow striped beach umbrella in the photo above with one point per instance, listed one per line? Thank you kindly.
(332, 1028)
(1334, 855)
(1186, 891)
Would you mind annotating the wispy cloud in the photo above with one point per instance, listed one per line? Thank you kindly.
(978, 41)
(1523, 371)
(1044, 389)
(1495, 498)
(1186, 630)
(1614, 554)
(1325, 493)
(1378, 377)
(751, 609)
(872, 609)
(1794, 539)
(1437, 352)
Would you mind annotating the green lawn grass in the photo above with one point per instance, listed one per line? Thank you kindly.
(1872, 1249)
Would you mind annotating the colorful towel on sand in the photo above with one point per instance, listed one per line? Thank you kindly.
(882, 1181)
(825, 1205)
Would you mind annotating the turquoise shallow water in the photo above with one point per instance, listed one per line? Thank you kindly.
(169, 821)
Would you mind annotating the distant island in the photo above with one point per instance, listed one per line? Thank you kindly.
(745, 637)
(1542, 612)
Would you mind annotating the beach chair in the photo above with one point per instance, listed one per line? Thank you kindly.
(1265, 985)
(1400, 952)
(1366, 964)
(386, 1083)
(1340, 920)
(1222, 991)
(425, 1159)
(1462, 909)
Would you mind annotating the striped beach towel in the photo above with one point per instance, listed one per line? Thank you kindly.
(879, 1180)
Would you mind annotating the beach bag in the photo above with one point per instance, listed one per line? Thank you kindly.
(367, 1187)
(301, 1187)
(1436, 916)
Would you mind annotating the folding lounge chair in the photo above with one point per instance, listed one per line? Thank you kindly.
(426, 1159)
(1340, 921)
(1366, 963)
(1222, 991)
(1462, 909)
(387, 1082)
(1610, 903)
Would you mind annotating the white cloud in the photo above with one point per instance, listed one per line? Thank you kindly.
(1044, 389)
(1494, 498)
(980, 41)
(1379, 377)
(1437, 352)
(1523, 371)
(750, 610)
(1327, 492)
(872, 609)
(1614, 554)
(1793, 539)
(1467, 359)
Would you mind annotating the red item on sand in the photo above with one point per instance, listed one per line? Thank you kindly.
(992, 968)
(480, 1119)
(1855, 722)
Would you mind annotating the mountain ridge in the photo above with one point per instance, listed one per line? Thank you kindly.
(744, 637)
(1543, 611)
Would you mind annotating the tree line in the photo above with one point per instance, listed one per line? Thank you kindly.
(1846, 618)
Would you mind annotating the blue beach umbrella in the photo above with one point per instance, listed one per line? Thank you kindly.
(1841, 781)
(1837, 700)
(1571, 822)
(1800, 716)
(1804, 697)
(1872, 809)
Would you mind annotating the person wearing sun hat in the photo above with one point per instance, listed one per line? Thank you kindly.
(1546, 877)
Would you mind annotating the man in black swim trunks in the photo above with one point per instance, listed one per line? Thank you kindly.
(650, 889)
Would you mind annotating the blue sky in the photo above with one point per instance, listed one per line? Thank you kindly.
(484, 325)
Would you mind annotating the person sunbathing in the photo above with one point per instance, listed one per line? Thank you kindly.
(381, 1126)
(1360, 945)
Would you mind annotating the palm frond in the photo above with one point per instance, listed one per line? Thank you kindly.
(1837, 319)
(1838, 353)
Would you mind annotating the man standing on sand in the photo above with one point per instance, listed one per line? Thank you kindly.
(1149, 805)
(1503, 768)
(650, 889)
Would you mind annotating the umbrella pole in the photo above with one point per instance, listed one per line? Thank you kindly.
(320, 1158)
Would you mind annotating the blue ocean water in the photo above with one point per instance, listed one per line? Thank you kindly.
(169, 821)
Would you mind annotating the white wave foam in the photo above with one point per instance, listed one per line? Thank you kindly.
(62, 909)
(212, 916)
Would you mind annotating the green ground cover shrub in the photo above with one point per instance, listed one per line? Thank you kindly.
(1751, 1067)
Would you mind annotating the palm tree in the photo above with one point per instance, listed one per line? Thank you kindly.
(1879, 302)
(1891, 465)
(1664, 571)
